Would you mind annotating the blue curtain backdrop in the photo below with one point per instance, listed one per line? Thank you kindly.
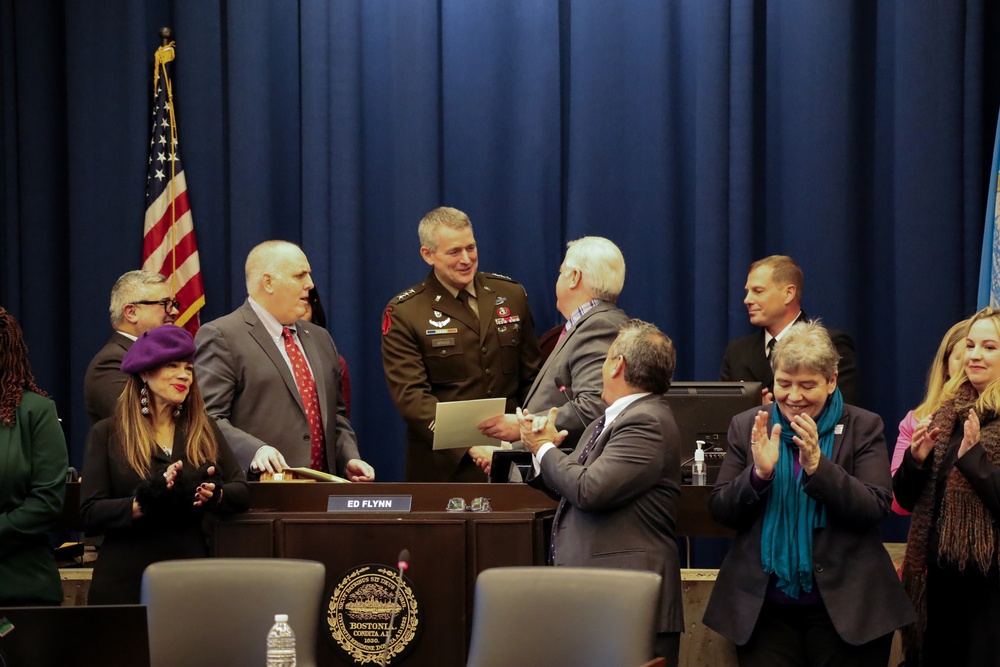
(697, 134)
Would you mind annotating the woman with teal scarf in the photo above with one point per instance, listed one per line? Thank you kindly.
(805, 484)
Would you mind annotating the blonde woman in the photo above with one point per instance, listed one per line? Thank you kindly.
(950, 480)
(947, 364)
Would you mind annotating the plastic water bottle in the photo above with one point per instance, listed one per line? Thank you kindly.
(280, 643)
(698, 477)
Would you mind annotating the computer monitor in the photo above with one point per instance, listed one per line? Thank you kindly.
(58, 636)
(510, 465)
(703, 411)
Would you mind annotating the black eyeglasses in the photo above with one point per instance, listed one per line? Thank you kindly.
(168, 304)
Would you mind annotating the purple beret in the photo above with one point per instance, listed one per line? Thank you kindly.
(158, 346)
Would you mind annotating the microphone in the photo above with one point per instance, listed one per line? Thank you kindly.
(403, 563)
(568, 393)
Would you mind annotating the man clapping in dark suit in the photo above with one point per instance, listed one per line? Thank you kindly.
(271, 380)
(619, 488)
(774, 303)
(590, 279)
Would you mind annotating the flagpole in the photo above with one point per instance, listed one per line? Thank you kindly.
(168, 234)
(990, 258)
(164, 55)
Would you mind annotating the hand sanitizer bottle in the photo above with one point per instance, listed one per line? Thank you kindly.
(698, 477)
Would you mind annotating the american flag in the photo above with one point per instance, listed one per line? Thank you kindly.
(168, 245)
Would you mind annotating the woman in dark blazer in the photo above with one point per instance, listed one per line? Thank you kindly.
(950, 479)
(153, 469)
(805, 485)
(33, 464)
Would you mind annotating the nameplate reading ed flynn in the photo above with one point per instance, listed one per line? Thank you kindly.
(368, 503)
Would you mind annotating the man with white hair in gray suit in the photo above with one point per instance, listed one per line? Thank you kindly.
(590, 279)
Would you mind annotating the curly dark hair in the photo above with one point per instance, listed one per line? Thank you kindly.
(15, 371)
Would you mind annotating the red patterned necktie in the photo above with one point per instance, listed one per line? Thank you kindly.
(310, 399)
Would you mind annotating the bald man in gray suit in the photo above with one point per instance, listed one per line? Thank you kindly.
(590, 279)
(245, 365)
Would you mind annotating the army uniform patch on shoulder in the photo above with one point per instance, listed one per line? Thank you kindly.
(386, 320)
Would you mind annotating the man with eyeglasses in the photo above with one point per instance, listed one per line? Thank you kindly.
(140, 301)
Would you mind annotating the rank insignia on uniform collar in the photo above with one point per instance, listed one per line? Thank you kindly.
(501, 299)
(437, 298)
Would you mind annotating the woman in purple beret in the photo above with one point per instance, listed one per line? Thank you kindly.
(154, 468)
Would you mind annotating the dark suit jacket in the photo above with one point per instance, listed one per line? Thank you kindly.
(33, 462)
(745, 360)
(171, 528)
(577, 361)
(434, 350)
(251, 393)
(104, 381)
(853, 571)
(619, 508)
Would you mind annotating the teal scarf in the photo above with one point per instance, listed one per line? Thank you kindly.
(791, 515)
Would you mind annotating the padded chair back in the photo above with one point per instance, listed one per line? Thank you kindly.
(564, 617)
(217, 611)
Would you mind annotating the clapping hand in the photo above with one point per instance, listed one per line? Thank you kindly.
(922, 441)
(172, 472)
(806, 438)
(764, 447)
(971, 436)
(205, 491)
(536, 430)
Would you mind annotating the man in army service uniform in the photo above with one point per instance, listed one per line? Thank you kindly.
(458, 335)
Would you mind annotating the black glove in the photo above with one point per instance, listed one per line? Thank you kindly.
(152, 494)
(201, 476)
